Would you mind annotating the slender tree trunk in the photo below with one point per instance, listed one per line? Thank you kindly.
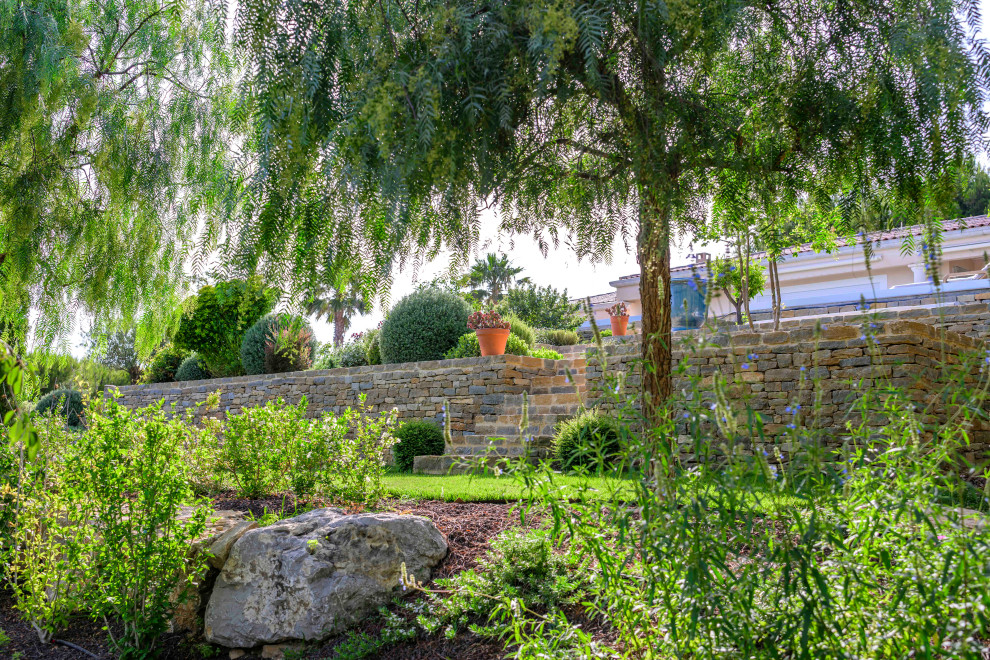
(653, 245)
(749, 315)
(775, 291)
(338, 328)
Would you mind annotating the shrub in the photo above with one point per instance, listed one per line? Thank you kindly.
(192, 368)
(607, 332)
(542, 307)
(215, 320)
(591, 438)
(253, 344)
(165, 362)
(521, 329)
(327, 357)
(467, 346)
(353, 354)
(557, 337)
(288, 348)
(423, 326)
(374, 350)
(547, 354)
(67, 404)
(416, 438)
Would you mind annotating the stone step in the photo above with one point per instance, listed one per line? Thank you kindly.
(511, 444)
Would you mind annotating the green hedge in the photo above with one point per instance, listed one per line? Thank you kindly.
(416, 438)
(423, 326)
(164, 364)
(557, 337)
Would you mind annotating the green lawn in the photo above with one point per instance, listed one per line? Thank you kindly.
(488, 488)
(470, 488)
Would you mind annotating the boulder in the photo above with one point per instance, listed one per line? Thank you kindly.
(312, 576)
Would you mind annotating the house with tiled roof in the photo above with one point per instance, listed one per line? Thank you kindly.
(811, 280)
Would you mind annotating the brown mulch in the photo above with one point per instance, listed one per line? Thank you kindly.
(468, 528)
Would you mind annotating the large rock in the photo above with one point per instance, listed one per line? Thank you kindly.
(314, 575)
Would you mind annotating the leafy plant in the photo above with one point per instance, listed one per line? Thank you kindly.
(557, 337)
(589, 439)
(521, 329)
(468, 346)
(416, 438)
(192, 368)
(164, 363)
(289, 348)
(215, 320)
(373, 343)
(542, 307)
(253, 345)
(423, 326)
(352, 354)
(728, 276)
(618, 309)
(490, 277)
(327, 357)
(65, 404)
(547, 354)
(490, 320)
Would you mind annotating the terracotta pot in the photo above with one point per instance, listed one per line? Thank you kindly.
(492, 340)
(619, 324)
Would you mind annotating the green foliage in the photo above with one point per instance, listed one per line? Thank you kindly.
(65, 404)
(543, 307)
(117, 351)
(215, 320)
(352, 354)
(374, 349)
(267, 449)
(555, 337)
(253, 344)
(547, 354)
(298, 353)
(327, 357)
(520, 329)
(346, 294)
(490, 277)
(605, 332)
(590, 439)
(164, 363)
(192, 368)
(729, 277)
(289, 347)
(468, 346)
(416, 438)
(423, 326)
(115, 129)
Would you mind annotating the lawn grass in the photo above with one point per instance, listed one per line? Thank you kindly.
(489, 488)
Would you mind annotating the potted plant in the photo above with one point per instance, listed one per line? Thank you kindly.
(619, 316)
(491, 330)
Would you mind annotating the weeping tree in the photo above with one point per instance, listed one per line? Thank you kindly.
(387, 127)
(114, 126)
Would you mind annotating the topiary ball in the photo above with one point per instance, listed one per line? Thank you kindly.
(589, 439)
(423, 326)
(467, 346)
(164, 364)
(416, 438)
(64, 403)
(192, 368)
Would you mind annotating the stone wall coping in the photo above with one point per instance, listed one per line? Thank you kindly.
(430, 366)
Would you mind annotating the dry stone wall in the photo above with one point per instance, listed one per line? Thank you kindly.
(476, 389)
(771, 373)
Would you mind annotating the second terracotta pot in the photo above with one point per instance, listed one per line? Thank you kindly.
(492, 340)
(619, 324)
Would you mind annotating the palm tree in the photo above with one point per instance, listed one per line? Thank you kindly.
(340, 300)
(491, 277)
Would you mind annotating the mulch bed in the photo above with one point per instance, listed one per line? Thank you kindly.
(468, 527)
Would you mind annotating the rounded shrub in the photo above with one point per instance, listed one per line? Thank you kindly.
(423, 326)
(268, 327)
(547, 354)
(520, 329)
(353, 354)
(557, 337)
(192, 368)
(164, 364)
(586, 440)
(64, 403)
(416, 438)
(467, 346)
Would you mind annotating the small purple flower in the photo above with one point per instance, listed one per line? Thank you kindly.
(803, 369)
(788, 409)
(791, 426)
(713, 406)
(745, 365)
(862, 338)
(866, 306)
(686, 416)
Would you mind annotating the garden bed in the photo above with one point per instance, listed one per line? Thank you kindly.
(467, 526)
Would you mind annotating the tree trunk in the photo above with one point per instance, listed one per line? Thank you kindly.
(775, 288)
(338, 328)
(653, 245)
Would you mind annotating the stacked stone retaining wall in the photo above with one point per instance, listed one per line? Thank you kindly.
(771, 373)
